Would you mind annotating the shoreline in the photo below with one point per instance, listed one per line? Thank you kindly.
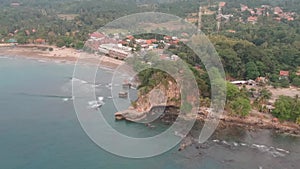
(58, 55)
(254, 123)
(255, 120)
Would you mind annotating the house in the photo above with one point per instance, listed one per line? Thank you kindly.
(260, 11)
(149, 42)
(244, 8)
(289, 18)
(252, 19)
(278, 10)
(97, 39)
(167, 38)
(97, 36)
(284, 74)
(222, 4)
(252, 12)
(40, 41)
(231, 31)
(277, 19)
(261, 80)
(174, 42)
(115, 51)
(130, 37)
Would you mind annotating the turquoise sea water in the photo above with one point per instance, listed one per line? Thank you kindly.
(39, 130)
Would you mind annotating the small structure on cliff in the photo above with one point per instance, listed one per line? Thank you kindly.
(123, 95)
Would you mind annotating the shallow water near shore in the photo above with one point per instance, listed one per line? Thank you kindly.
(39, 129)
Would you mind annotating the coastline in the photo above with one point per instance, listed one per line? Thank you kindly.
(257, 121)
(61, 55)
(254, 121)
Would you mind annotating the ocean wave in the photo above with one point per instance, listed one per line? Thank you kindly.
(79, 80)
(275, 152)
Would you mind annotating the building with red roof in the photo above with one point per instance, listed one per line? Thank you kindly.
(222, 4)
(97, 35)
(252, 19)
(40, 41)
(284, 73)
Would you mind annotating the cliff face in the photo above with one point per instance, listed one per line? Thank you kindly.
(164, 94)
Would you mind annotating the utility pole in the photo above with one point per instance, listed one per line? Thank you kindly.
(219, 19)
(200, 19)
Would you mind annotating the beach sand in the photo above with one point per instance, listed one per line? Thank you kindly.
(68, 55)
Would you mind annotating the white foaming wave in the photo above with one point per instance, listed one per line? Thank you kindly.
(79, 80)
(275, 152)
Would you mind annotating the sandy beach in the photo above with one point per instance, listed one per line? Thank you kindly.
(63, 55)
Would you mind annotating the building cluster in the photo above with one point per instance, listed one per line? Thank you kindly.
(280, 14)
(251, 16)
(264, 10)
(11, 37)
(267, 10)
(121, 48)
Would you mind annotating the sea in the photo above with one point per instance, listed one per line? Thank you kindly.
(39, 129)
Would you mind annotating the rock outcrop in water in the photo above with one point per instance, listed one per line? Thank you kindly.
(153, 103)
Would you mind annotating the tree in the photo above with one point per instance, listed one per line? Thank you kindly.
(287, 108)
(60, 43)
(264, 96)
(237, 101)
(232, 92)
(284, 82)
(232, 63)
(241, 106)
(79, 45)
(251, 71)
(296, 81)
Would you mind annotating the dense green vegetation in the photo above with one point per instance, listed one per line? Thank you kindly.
(287, 108)
(238, 102)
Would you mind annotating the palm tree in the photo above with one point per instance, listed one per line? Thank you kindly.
(264, 96)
